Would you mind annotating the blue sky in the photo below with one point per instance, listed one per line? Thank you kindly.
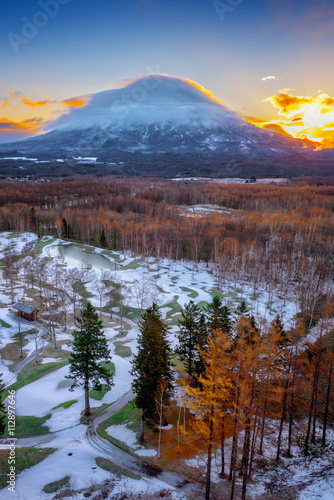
(67, 48)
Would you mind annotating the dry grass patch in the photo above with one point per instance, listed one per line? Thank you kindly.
(49, 351)
(11, 352)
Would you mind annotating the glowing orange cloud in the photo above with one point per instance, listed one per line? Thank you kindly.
(310, 119)
(75, 102)
(26, 101)
(25, 126)
(286, 102)
(20, 119)
(204, 90)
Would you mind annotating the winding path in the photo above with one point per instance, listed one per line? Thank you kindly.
(100, 444)
(118, 456)
(11, 378)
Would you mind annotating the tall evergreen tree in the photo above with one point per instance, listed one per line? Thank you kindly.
(282, 337)
(242, 309)
(152, 364)
(2, 408)
(192, 335)
(89, 347)
(218, 316)
(203, 337)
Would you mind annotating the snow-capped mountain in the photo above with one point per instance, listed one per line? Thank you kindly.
(167, 120)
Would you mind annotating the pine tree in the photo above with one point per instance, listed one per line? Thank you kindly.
(218, 316)
(242, 309)
(202, 345)
(192, 334)
(152, 364)
(89, 347)
(2, 408)
(277, 326)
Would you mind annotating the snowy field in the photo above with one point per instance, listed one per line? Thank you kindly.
(171, 284)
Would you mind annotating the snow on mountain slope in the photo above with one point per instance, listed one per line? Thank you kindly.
(151, 99)
(176, 122)
(153, 106)
(164, 105)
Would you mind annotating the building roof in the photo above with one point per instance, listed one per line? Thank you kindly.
(24, 308)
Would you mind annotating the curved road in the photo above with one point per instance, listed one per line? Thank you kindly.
(118, 456)
(10, 379)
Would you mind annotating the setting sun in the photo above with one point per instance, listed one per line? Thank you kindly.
(303, 117)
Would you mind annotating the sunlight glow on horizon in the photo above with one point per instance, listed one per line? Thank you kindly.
(303, 117)
(307, 118)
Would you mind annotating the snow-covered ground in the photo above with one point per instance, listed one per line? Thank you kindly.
(310, 477)
(127, 436)
(74, 457)
(172, 285)
(17, 243)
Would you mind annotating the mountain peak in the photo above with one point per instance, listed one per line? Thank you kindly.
(171, 85)
(161, 119)
(150, 99)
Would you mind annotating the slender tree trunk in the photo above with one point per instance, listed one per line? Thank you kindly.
(307, 438)
(279, 440)
(178, 427)
(222, 445)
(159, 441)
(245, 457)
(315, 404)
(54, 337)
(36, 347)
(141, 436)
(87, 406)
(264, 416)
(327, 398)
(20, 337)
(208, 469)
(65, 319)
(255, 434)
(235, 441)
(292, 406)
(110, 305)
(190, 358)
(289, 454)
(285, 396)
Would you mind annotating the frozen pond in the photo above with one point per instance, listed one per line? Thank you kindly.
(75, 257)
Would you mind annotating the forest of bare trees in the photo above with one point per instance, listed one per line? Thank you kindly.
(279, 237)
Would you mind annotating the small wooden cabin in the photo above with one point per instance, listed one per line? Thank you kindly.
(26, 312)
